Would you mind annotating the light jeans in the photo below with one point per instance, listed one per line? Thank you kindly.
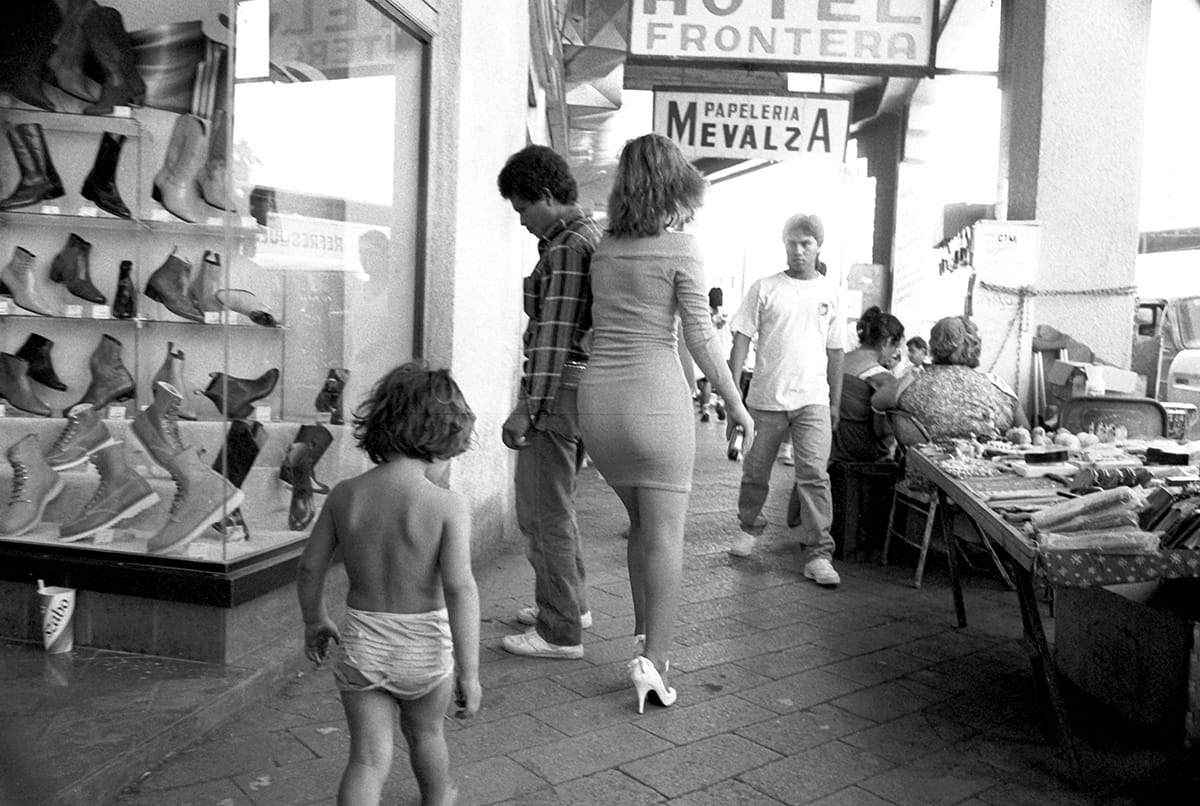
(545, 488)
(812, 436)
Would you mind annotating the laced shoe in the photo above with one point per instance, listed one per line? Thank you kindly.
(35, 485)
(532, 645)
(157, 425)
(84, 434)
(821, 571)
(528, 616)
(203, 497)
(121, 495)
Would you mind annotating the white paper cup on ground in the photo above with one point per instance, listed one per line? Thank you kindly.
(57, 607)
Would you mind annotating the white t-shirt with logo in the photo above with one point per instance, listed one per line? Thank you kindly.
(796, 321)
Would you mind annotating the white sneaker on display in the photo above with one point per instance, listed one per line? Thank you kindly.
(528, 615)
(821, 571)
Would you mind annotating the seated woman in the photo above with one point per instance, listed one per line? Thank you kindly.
(860, 436)
(952, 398)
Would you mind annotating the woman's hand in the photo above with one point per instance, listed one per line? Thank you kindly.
(467, 696)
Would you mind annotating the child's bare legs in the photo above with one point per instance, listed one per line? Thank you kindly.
(421, 723)
(371, 715)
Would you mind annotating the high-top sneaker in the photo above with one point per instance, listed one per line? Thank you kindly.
(157, 426)
(202, 497)
(122, 494)
(84, 434)
(35, 485)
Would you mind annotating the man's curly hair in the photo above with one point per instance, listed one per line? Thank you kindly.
(414, 411)
(532, 171)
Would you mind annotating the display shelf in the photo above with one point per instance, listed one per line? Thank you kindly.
(10, 311)
(87, 216)
(121, 121)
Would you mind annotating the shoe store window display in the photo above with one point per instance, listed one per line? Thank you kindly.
(796, 315)
(543, 427)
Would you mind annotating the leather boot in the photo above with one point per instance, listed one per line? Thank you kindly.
(168, 286)
(110, 44)
(35, 184)
(301, 511)
(122, 494)
(29, 28)
(72, 268)
(203, 497)
(125, 300)
(35, 485)
(206, 279)
(235, 397)
(70, 53)
(216, 186)
(110, 379)
(36, 353)
(242, 444)
(15, 386)
(171, 373)
(318, 438)
(246, 303)
(330, 397)
(157, 427)
(101, 183)
(84, 434)
(19, 281)
(175, 183)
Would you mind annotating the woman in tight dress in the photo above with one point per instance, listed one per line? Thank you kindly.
(635, 407)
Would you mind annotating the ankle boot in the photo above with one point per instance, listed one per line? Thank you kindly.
(70, 53)
(214, 180)
(330, 397)
(125, 300)
(318, 439)
(35, 485)
(168, 286)
(205, 281)
(175, 184)
(72, 268)
(19, 280)
(16, 389)
(36, 353)
(122, 494)
(235, 397)
(39, 181)
(242, 444)
(84, 434)
(110, 379)
(301, 511)
(171, 373)
(202, 497)
(156, 426)
(110, 44)
(246, 303)
(101, 183)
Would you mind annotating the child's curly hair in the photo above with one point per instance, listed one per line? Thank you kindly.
(414, 411)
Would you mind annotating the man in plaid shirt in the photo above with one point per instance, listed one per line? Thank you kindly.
(544, 426)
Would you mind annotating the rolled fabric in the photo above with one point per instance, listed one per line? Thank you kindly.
(167, 57)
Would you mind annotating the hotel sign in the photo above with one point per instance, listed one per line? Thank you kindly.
(892, 37)
(742, 126)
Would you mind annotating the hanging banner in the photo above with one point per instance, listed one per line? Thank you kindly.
(894, 37)
(752, 126)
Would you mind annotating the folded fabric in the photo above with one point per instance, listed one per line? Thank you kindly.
(1132, 541)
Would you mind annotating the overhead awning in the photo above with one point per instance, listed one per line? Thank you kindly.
(1169, 240)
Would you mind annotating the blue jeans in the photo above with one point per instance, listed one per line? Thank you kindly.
(811, 434)
(545, 482)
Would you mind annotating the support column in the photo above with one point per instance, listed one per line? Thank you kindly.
(1073, 77)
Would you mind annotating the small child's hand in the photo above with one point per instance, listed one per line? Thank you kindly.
(467, 696)
(317, 638)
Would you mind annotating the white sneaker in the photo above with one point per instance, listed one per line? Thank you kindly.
(821, 572)
(742, 545)
(787, 454)
(532, 645)
(528, 615)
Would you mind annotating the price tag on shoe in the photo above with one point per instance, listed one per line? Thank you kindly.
(74, 311)
(50, 209)
(262, 414)
(103, 537)
(212, 317)
(203, 550)
(4, 307)
(101, 312)
(116, 412)
(89, 211)
(324, 417)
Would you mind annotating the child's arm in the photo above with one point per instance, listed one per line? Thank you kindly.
(462, 601)
(319, 629)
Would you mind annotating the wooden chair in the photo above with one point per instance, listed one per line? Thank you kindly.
(909, 432)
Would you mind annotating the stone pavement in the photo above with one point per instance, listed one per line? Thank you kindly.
(788, 694)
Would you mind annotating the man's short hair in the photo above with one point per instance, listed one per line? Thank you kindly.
(533, 171)
(918, 343)
(805, 224)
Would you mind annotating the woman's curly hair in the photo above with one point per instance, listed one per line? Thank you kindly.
(655, 188)
(876, 328)
(414, 411)
(955, 340)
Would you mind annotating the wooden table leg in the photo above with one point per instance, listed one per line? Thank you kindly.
(947, 527)
(1045, 671)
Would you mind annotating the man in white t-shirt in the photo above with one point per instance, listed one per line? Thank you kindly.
(798, 320)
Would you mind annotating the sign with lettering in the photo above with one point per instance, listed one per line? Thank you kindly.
(874, 36)
(749, 126)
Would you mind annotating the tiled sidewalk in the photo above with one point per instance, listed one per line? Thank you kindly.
(788, 694)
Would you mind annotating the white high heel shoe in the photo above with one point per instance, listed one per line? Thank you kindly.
(646, 679)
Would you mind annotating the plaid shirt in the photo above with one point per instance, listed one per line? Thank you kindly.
(558, 301)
